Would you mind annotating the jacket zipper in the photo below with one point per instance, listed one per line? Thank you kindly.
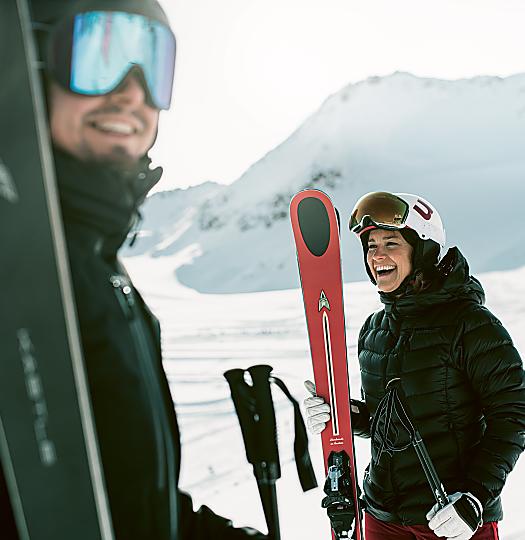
(126, 299)
(165, 447)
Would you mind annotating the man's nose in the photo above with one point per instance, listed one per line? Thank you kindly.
(130, 91)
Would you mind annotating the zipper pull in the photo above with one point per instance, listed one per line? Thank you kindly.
(124, 295)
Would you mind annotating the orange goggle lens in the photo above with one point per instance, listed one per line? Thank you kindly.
(381, 208)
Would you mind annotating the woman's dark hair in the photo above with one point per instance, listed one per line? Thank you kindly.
(425, 257)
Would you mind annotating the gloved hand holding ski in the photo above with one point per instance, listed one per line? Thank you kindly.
(318, 411)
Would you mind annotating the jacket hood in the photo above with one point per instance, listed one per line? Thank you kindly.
(102, 200)
(452, 282)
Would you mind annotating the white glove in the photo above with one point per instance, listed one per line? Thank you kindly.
(317, 411)
(459, 520)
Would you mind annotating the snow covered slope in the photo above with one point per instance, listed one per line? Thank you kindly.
(458, 143)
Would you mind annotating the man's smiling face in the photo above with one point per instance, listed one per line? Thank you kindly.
(119, 127)
(389, 258)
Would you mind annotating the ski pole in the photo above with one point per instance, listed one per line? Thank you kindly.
(405, 416)
(256, 414)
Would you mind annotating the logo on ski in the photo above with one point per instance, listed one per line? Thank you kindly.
(7, 186)
(330, 372)
(35, 392)
(323, 302)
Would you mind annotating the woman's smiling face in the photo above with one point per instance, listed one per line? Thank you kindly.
(389, 258)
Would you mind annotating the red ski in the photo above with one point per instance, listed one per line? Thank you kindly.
(316, 231)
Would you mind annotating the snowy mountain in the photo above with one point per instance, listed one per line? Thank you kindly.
(167, 216)
(457, 143)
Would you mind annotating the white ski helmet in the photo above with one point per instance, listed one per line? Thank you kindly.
(397, 211)
(411, 215)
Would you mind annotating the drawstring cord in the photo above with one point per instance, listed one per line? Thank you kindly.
(389, 405)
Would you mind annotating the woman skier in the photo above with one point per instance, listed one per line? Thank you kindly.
(462, 378)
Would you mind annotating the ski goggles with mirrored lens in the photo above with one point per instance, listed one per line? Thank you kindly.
(378, 209)
(93, 52)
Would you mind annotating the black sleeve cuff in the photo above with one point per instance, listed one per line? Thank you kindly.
(481, 493)
(360, 420)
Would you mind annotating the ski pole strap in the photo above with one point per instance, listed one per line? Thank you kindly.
(305, 470)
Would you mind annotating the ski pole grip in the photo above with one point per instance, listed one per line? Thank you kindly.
(265, 423)
(254, 406)
(244, 405)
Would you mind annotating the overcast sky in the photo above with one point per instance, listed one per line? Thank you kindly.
(249, 72)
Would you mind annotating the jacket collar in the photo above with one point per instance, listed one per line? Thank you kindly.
(452, 282)
(100, 203)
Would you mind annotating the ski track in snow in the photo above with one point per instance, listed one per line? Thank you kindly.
(205, 335)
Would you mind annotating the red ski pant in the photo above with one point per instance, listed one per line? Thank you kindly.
(379, 530)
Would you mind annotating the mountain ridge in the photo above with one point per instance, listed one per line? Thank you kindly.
(457, 143)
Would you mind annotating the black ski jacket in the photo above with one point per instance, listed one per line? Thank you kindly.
(134, 414)
(465, 384)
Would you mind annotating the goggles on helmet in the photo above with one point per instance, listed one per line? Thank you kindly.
(381, 209)
(91, 54)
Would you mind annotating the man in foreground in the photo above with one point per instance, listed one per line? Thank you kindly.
(108, 72)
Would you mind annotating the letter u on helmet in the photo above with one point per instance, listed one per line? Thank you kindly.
(397, 211)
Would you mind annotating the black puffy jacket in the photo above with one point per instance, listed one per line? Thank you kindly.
(465, 385)
(134, 414)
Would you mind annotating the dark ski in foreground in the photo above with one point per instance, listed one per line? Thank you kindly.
(316, 232)
(48, 448)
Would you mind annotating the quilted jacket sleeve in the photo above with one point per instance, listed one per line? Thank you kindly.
(495, 370)
(361, 420)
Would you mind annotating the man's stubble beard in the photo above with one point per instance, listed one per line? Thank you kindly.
(117, 158)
